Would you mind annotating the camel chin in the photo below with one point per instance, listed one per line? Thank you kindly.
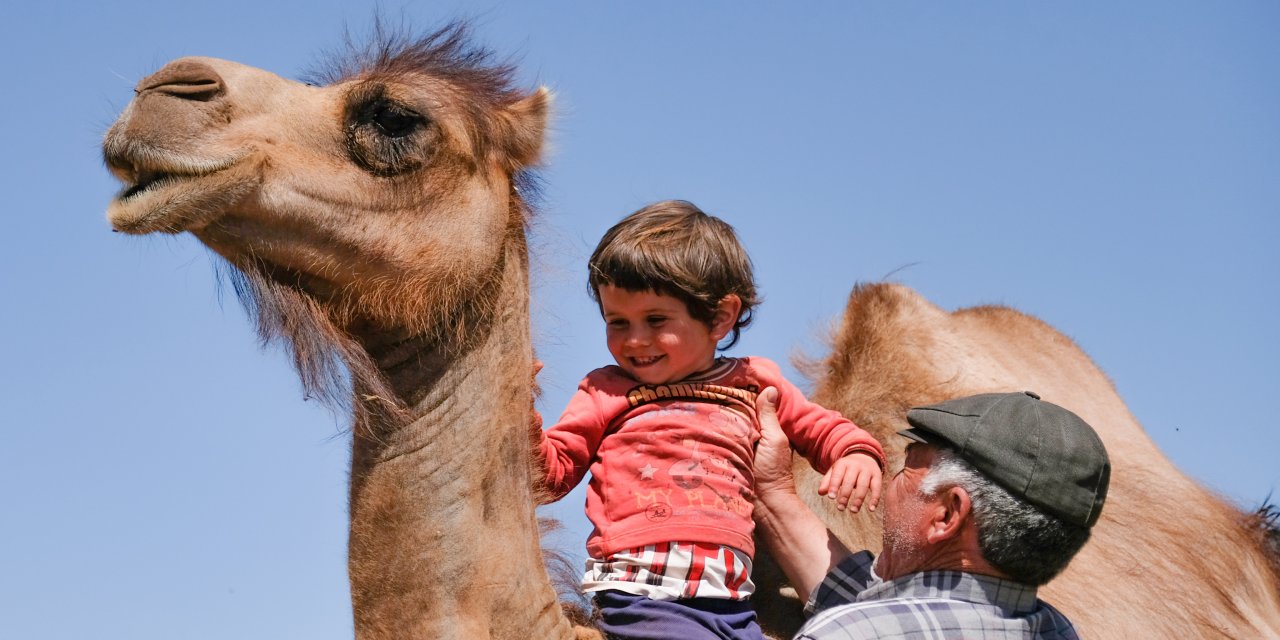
(172, 197)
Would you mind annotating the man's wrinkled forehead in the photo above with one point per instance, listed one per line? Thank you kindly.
(919, 454)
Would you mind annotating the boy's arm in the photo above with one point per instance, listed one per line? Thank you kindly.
(821, 435)
(852, 481)
(568, 447)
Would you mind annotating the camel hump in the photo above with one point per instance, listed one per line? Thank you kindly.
(894, 350)
(876, 318)
(970, 350)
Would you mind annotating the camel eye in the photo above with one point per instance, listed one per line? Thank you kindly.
(393, 121)
(385, 136)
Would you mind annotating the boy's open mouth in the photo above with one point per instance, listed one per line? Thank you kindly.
(645, 361)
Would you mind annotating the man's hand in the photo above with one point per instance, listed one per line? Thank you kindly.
(850, 479)
(773, 453)
(800, 542)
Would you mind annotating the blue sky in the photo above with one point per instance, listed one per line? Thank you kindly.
(1109, 168)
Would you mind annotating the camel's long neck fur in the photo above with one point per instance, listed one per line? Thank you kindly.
(444, 541)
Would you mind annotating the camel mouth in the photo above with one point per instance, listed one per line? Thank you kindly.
(147, 180)
(172, 197)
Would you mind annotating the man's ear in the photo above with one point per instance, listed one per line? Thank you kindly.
(949, 513)
(727, 312)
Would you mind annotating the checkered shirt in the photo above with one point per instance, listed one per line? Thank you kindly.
(853, 602)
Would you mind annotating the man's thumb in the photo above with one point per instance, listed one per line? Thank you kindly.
(767, 401)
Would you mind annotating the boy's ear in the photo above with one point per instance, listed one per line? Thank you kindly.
(727, 312)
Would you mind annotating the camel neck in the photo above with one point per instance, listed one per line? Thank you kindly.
(444, 540)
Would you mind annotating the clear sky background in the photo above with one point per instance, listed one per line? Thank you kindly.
(1113, 168)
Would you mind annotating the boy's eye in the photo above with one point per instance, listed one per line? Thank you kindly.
(656, 320)
(616, 324)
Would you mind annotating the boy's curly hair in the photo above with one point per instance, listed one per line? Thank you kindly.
(673, 248)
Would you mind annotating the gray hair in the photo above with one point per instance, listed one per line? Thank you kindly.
(1028, 545)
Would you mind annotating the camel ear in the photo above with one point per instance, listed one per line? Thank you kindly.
(526, 123)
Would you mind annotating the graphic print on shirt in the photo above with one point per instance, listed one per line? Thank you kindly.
(689, 472)
(721, 394)
(731, 424)
(690, 477)
(655, 500)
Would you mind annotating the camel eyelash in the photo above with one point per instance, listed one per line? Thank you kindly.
(382, 133)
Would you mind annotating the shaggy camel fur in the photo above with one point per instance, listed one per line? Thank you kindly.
(1168, 559)
(376, 225)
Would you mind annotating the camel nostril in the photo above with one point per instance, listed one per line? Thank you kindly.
(186, 79)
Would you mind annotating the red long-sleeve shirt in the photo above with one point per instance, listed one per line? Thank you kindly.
(672, 462)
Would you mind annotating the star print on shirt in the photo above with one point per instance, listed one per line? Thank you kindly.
(647, 471)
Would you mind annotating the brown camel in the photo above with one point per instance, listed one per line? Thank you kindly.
(376, 224)
(1168, 559)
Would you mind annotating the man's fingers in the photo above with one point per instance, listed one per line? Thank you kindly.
(766, 407)
(767, 402)
(772, 464)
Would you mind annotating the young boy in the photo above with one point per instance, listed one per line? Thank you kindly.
(669, 432)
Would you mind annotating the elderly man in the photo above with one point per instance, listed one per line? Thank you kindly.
(998, 493)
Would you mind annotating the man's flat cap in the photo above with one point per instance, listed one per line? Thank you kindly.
(1040, 452)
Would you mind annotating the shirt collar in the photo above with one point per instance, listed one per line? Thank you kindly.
(1010, 596)
(720, 367)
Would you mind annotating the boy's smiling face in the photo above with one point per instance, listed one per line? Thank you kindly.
(653, 337)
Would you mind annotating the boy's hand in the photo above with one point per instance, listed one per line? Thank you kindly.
(535, 418)
(850, 479)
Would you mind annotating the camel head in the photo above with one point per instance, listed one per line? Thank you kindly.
(375, 221)
(386, 196)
